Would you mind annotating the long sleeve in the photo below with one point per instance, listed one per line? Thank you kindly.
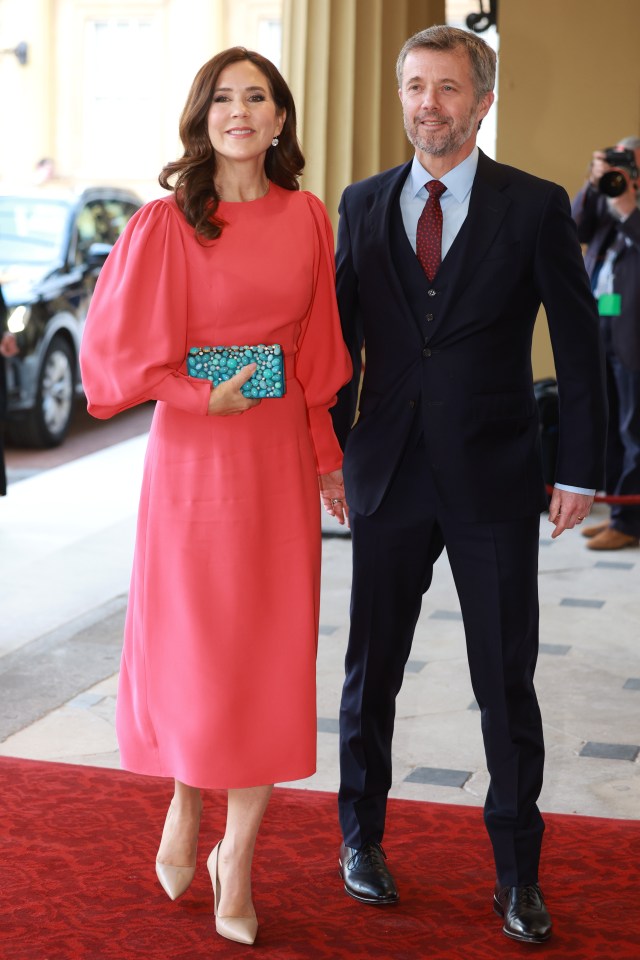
(322, 364)
(575, 337)
(588, 209)
(347, 291)
(134, 341)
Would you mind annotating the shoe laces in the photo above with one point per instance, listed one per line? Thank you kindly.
(370, 855)
(530, 896)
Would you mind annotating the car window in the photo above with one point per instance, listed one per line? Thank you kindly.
(120, 213)
(101, 221)
(31, 230)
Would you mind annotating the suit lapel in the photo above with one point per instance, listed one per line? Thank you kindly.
(379, 202)
(379, 208)
(488, 205)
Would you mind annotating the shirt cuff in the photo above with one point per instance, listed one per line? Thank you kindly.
(570, 489)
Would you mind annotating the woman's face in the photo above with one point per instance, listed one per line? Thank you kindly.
(243, 117)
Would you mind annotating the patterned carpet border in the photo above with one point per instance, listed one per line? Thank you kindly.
(77, 881)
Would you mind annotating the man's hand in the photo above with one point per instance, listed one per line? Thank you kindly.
(226, 400)
(9, 345)
(332, 495)
(568, 510)
(598, 166)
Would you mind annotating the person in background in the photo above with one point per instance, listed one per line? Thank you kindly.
(610, 228)
(217, 683)
(8, 348)
(44, 171)
(442, 264)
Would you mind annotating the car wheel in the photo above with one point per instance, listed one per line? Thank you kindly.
(47, 424)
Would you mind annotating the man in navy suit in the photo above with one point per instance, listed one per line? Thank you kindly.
(446, 452)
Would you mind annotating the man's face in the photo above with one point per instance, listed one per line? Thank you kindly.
(439, 104)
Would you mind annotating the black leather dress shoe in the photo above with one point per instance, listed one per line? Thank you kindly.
(366, 875)
(524, 912)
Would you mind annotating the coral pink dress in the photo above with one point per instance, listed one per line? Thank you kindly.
(217, 683)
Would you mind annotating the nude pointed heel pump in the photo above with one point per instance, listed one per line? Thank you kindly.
(174, 880)
(240, 929)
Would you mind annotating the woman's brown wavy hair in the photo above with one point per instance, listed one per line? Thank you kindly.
(194, 172)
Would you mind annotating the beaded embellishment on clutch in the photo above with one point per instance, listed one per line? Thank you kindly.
(220, 363)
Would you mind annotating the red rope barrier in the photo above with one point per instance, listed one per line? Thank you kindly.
(631, 499)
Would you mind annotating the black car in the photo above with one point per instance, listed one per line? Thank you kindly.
(53, 244)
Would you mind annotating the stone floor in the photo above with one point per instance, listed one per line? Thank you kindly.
(66, 539)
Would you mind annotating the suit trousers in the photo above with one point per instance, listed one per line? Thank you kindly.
(494, 566)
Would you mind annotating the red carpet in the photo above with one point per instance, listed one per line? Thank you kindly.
(77, 880)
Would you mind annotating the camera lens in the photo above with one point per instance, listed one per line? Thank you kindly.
(613, 183)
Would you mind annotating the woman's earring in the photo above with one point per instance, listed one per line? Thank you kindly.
(275, 142)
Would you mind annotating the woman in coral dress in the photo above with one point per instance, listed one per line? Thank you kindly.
(217, 684)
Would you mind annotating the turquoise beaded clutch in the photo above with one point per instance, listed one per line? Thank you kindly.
(220, 363)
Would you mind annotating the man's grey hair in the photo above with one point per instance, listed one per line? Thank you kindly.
(630, 143)
(482, 57)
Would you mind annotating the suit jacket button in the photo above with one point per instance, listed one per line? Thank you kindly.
(412, 403)
(426, 352)
(431, 293)
(429, 317)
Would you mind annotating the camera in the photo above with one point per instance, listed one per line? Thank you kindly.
(614, 183)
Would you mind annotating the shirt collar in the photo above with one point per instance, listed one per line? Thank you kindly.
(458, 181)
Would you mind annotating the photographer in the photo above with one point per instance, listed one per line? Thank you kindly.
(607, 212)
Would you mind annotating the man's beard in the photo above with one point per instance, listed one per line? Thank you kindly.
(439, 143)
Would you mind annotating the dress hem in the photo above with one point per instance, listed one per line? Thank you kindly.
(282, 777)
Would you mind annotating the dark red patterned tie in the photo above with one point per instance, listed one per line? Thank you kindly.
(429, 233)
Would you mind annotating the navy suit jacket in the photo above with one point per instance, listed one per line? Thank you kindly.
(467, 371)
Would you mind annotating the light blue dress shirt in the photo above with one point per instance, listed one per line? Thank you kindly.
(455, 207)
(454, 202)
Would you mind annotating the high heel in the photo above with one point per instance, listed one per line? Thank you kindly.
(240, 929)
(174, 880)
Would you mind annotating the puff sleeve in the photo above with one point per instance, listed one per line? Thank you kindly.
(323, 364)
(134, 341)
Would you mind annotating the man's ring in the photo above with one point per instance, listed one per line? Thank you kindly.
(333, 502)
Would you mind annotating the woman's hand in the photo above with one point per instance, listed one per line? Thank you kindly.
(332, 495)
(226, 400)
